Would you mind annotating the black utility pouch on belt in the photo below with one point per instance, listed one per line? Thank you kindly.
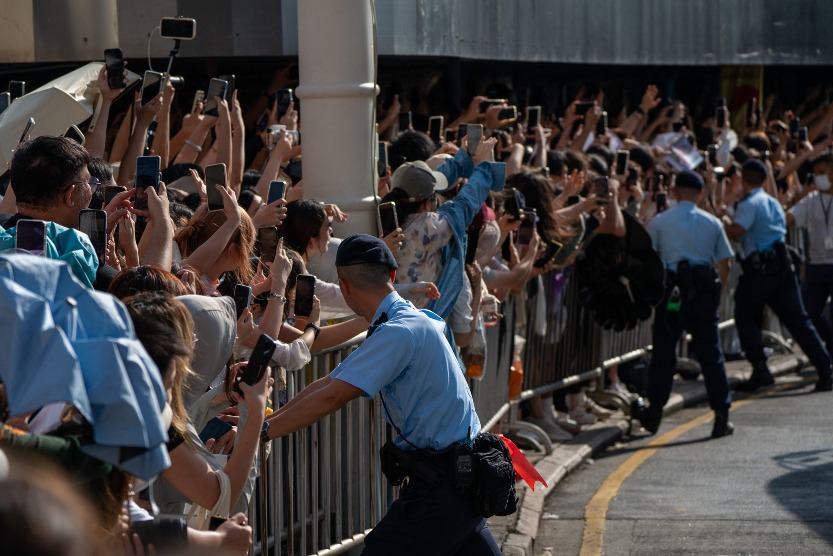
(398, 464)
(494, 491)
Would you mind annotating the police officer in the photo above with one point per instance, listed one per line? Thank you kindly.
(768, 279)
(426, 399)
(691, 243)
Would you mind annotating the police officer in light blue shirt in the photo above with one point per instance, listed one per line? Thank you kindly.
(769, 279)
(407, 359)
(693, 247)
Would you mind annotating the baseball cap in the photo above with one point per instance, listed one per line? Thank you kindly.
(363, 249)
(418, 180)
(689, 179)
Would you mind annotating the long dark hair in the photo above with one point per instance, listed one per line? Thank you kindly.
(538, 194)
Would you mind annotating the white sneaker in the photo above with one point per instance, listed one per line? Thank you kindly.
(563, 420)
(556, 433)
(596, 410)
(580, 416)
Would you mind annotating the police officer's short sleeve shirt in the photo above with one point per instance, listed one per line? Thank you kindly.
(409, 360)
(687, 233)
(763, 219)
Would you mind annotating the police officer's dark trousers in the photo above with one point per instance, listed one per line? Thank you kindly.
(780, 291)
(436, 520)
(816, 290)
(699, 316)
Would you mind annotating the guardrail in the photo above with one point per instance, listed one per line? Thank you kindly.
(325, 488)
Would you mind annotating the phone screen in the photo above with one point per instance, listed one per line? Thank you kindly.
(383, 159)
(405, 121)
(147, 175)
(601, 124)
(267, 239)
(232, 81)
(216, 92)
(5, 101)
(388, 219)
(215, 174)
(17, 89)
(602, 190)
(111, 191)
(662, 201)
(533, 117)
(31, 236)
(475, 133)
(94, 224)
(508, 114)
(285, 97)
(114, 60)
(622, 159)
(304, 291)
(435, 127)
(242, 298)
(277, 191)
(150, 86)
(552, 248)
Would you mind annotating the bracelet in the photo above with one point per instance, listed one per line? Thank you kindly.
(278, 296)
(315, 329)
(193, 145)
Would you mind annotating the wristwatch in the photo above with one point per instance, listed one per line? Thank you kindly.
(314, 327)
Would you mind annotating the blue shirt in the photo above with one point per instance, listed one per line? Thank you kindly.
(763, 219)
(686, 232)
(409, 360)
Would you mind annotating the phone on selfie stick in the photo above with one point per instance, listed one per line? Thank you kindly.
(94, 223)
(304, 292)
(215, 174)
(254, 370)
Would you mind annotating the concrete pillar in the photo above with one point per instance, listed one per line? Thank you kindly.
(337, 92)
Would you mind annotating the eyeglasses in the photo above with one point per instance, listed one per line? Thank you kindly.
(93, 182)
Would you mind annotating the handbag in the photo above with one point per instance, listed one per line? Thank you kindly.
(199, 517)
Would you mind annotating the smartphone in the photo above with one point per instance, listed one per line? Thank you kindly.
(533, 117)
(17, 89)
(199, 96)
(803, 134)
(147, 175)
(662, 201)
(751, 112)
(27, 131)
(5, 101)
(284, 97)
(720, 117)
(450, 135)
(572, 200)
(601, 188)
(508, 114)
(75, 134)
(267, 242)
(114, 60)
(150, 86)
(94, 223)
(622, 159)
(183, 28)
(214, 428)
(475, 133)
(387, 218)
(304, 290)
(254, 370)
(277, 191)
(601, 124)
(462, 130)
(383, 159)
(795, 124)
(111, 191)
(513, 205)
(527, 227)
(232, 83)
(242, 298)
(552, 248)
(405, 121)
(435, 128)
(215, 93)
(583, 107)
(484, 105)
(215, 174)
(31, 236)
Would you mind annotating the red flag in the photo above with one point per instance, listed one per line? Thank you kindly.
(523, 468)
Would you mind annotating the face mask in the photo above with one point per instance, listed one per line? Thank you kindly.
(822, 182)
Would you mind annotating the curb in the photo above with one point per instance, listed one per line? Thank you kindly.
(570, 455)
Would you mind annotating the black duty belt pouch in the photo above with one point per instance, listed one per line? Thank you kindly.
(398, 464)
(494, 491)
(684, 280)
(706, 279)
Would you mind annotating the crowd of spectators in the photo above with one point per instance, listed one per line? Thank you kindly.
(476, 224)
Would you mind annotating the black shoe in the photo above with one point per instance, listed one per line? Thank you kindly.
(722, 425)
(651, 418)
(759, 379)
(824, 384)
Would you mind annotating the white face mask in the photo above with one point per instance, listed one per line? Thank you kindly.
(822, 182)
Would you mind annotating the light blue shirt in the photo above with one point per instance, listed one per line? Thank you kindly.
(410, 361)
(687, 233)
(763, 219)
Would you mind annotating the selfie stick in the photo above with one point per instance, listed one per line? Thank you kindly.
(151, 133)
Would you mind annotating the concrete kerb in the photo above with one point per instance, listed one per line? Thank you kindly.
(518, 532)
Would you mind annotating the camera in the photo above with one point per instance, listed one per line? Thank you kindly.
(177, 81)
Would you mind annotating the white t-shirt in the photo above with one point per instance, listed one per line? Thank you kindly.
(809, 213)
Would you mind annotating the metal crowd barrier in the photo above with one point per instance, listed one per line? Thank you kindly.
(325, 488)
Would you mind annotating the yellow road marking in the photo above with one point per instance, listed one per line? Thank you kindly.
(595, 512)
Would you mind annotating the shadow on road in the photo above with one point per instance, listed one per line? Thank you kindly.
(805, 490)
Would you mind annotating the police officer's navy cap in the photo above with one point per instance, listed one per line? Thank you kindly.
(689, 179)
(363, 249)
(753, 165)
